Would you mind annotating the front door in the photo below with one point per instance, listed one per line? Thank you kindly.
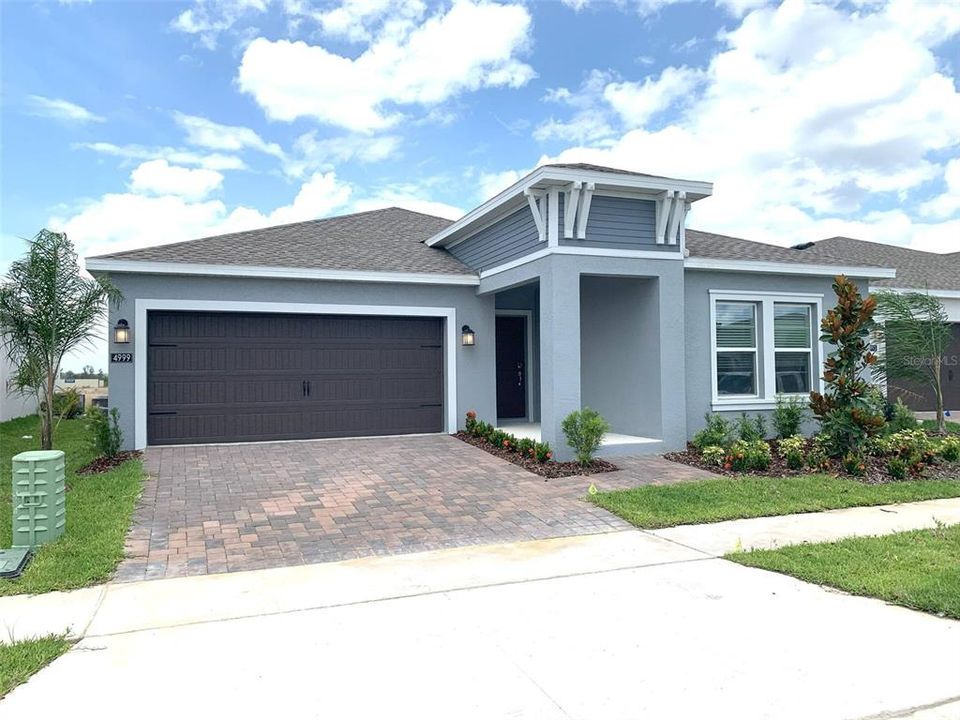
(511, 367)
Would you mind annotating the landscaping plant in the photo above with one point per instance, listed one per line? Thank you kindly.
(751, 429)
(792, 449)
(949, 448)
(718, 432)
(900, 417)
(847, 411)
(915, 333)
(107, 437)
(584, 430)
(714, 454)
(788, 416)
(47, 309)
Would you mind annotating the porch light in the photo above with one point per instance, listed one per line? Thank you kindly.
(121, 333)
(468, 336)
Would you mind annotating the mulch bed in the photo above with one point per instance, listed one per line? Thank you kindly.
(549, 469)
(875, 474)
(104, 463)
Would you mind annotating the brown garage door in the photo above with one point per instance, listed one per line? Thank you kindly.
(920, 396)
(223, 377)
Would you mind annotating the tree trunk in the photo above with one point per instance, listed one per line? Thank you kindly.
(46, 420)
(938, 388)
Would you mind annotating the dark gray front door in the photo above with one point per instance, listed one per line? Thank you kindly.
(223, 377)
(511, 367)
(919, 396)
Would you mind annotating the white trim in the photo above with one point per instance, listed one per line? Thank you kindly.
(767, 394)
(528, 315)
(178, 268)
(533, 202)
(783, 268)
(140, 334)
(571, 205)
(664, 206)
(695, 190)
(676, 217)
(553, 217)
(933, 292)
(583, 211)
(579, 250)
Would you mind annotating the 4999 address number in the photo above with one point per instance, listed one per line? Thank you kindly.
(121, 357)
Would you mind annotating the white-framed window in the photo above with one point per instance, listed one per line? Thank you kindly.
(763, 345)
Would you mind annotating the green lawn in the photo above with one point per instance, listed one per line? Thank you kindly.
(919, 569)
(716, 499)
(952, 427)
(22, 659)
(98, 511)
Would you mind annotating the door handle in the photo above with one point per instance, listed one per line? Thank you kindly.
(303, 388)
(308, 388)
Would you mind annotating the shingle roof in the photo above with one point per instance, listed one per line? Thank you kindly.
(388, 240)
(604, 168)
(724, 247)
(915, 268)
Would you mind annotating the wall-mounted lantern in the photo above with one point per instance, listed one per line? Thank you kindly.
(468, 336)
(121, 333)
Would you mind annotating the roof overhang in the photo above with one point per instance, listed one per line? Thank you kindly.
(543, 178)
(786, 268)
(933, 292)
(109, 265)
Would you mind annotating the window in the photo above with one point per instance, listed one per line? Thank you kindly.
(764, 345)
(736, 337)
(792, 347)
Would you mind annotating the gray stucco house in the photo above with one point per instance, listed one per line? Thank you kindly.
(576, 286)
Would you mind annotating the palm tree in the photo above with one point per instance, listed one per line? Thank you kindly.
(915, 333)
(47, 309)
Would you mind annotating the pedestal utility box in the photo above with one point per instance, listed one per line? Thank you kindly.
(39, 509)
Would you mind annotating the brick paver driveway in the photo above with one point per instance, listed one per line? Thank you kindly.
(222, 508)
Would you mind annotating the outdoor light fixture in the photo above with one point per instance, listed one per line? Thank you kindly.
(121, 333)
(469, 336)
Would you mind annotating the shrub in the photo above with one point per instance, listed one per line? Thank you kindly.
(714, 455)
(854, 463)
(788, 416)
(914, 447)
(543, 452)
(901, 417)
(818, 458)
(745, 455)
(792, 450)
(717, 432)
(106, 435)
(949, 448)
(584, 430)
(751, 429)
(67, 404)
(758, 455)
(471, 423)
(897, 468)
(848, 410)
(525, 445)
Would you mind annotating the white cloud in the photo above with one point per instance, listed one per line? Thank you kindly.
(158, 177)
(947, 204)
(232, 138)
(469, 46)
(208, 18)
(311, 152)
(60, 109)
(318, 197)
(490, 184)
(358, 20)
(211, 161)
(813, 120)
(637, 102)
(408, 202)
(590, 121)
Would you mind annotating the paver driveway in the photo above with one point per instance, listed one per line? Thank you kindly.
(221, 508)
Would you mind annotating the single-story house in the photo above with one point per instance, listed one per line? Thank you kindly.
(576, 286)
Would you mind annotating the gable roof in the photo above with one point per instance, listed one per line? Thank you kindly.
(915, 268)
(388, 240)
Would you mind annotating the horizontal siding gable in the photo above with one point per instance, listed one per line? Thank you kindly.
(618, 222)
(507, 239)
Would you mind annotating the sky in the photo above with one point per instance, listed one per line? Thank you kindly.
(128, 124)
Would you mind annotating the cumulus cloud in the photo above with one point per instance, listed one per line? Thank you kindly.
(311, 152)
(158, 177)
(207, 19)
(232, 138)
(211, 161)
(60, 109)
(469, 46)
(948, 203)
(812, 120)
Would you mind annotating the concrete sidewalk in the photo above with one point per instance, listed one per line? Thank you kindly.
(619, 625)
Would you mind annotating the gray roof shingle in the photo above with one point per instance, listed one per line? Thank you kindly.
(388, 240)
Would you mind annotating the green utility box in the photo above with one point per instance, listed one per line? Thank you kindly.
(39, 510)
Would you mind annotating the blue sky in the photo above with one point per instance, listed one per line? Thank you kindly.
(135, 123)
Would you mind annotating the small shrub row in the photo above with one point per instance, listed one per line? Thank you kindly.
(526, 447)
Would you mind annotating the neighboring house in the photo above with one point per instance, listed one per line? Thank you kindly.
(12, 403)
(576, 286)
(917, 271)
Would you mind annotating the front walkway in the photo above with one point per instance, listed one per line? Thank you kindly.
(223, 508)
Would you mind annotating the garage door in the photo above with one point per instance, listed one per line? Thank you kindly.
(921, 396)
(223, 377)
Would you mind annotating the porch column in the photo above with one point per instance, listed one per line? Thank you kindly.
(559, 351)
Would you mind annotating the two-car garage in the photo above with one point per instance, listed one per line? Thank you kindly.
(235, 376)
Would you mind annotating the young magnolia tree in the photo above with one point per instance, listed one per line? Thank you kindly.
(847, 411)
(47, 309)
(915, 334)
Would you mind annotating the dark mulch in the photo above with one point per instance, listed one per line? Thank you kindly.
(549, 469)
(104, 463)
(875, 474)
